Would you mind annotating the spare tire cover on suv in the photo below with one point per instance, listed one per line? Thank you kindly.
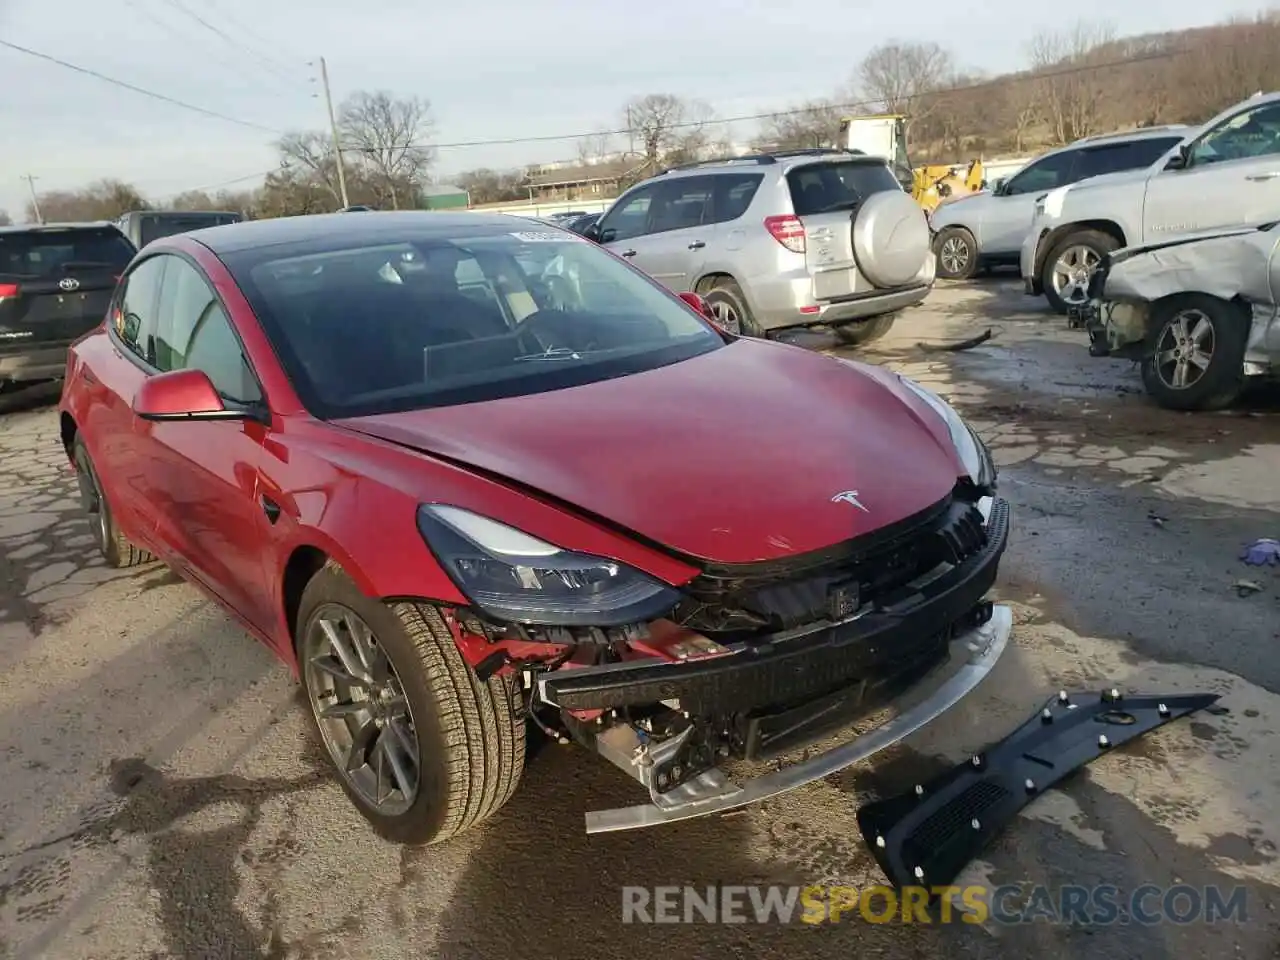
(890, 238)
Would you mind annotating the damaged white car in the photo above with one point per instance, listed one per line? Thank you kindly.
(1199, 313)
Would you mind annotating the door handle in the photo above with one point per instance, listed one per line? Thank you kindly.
(697, 245)
(1273, 175)
(628, 253)
(271, 509)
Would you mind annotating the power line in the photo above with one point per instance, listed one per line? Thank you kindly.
(163, 98)
(262, 61)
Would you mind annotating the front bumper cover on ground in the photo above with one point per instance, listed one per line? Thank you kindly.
(926, 836)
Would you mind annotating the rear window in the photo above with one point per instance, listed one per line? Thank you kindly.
(49, 253)
(840, 185)
(154, 226)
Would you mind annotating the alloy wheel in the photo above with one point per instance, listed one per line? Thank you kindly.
(726, 316)
(361, 710)
(1184, 349)
(1071, 273)
(954, 255)
(92, 499)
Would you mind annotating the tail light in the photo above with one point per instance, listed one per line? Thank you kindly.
(788, 231)
(8, 290)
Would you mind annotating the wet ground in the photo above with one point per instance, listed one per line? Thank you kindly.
(159, 796)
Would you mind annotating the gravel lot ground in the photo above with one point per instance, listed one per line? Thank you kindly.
(159, 795)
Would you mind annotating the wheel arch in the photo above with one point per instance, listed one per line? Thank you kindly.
(67, 430)
(1054, 237)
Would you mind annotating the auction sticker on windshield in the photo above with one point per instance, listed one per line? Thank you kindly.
(534, 236)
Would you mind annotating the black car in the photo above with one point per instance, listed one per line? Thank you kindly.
(55, 283)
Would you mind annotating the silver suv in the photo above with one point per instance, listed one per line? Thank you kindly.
(987, 229)
(776, 242)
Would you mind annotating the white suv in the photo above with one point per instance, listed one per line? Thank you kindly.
(1222, 175)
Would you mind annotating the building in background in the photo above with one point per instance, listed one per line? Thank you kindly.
(440, 196)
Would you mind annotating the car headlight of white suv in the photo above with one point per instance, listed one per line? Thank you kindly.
(973, 453)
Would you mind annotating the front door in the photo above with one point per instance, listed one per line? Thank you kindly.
(1007, 217)
(204, 478)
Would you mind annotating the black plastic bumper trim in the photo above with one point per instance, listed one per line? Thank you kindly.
(796, 664)
(927, 835)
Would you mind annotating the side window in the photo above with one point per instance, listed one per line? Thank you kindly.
(135, 313)
(194, 333)
(630, 218)
(733, 194)
(1045, 174)
(681, 204)
(1146, 152)
(1250, 133)
(1112, 158)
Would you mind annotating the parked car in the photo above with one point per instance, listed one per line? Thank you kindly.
(780, 241)
(144, 226)
(1223, 175)
(1201, 314)
(455, 509)
(55, 283)
(987, 229)
(580, 225)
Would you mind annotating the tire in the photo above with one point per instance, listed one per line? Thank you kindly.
(727, 302)
(469, 736)
(957, 254)
(117, 549)
(1095, 242)
(862, 332)
(1215, 386)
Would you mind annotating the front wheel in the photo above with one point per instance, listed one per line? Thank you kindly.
(422, 747)
(1069, 265)
(957, 254)
(117, 549)
(1197, 357)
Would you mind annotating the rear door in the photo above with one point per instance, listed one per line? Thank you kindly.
(681, 225)
(56, 282)
(826, 197)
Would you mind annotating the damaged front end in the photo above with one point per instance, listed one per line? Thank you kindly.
(757, 662)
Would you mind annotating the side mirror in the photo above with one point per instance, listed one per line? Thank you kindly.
(1180, 160)
(592, 232)
(182, 395)
(604, 234)
(700, 305)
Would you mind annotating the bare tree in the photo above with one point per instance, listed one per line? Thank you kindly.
(390, 135)
(311, 152)
(103, 200)
(899, 76)
(192, 200)
(665, 128)
(493, 186)
(808, 125)
(1073, 91)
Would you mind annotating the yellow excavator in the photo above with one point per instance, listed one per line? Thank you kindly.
(885, 135)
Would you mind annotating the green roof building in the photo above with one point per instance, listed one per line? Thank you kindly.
(445, 197)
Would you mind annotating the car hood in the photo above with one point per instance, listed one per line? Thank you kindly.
(734, 456)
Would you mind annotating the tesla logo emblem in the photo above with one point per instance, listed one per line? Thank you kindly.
(69, 283)
(850, 497)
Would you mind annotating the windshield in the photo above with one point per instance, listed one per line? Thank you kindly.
(38, 254)
(157, 225)
(429, 321)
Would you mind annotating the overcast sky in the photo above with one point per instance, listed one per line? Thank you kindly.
(493, 69)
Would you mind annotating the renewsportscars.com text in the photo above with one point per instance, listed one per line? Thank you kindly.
(1147, 904)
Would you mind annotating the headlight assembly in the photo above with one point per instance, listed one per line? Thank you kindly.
(972, 451)
(512, 576)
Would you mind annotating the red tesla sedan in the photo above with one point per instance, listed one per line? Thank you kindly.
(470, 476)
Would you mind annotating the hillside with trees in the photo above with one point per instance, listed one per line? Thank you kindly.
(1077, 81)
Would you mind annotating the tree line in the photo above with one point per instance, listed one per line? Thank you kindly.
(1078, 81)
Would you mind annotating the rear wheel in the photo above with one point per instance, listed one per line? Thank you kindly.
(730, 309)
(1197, 360)
(118, 550)
(957, 254)
(423, 748)
(864, 331)
(1067, 268)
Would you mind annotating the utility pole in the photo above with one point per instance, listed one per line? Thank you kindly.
(333, 129)
(35, 200)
